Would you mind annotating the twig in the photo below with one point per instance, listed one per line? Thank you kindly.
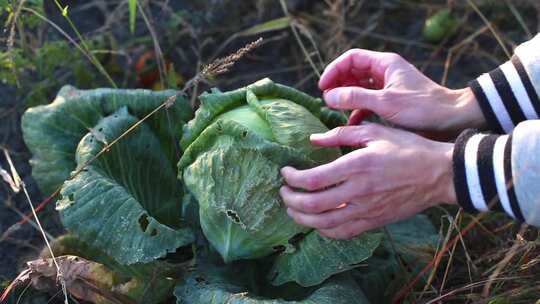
(157, 48)
(519, 19)
(491, 28)
(456, 219)
(222, 65)
(94, 60)
(456, 47)
(407, 288)
(86, 53)
(438, 257)
(504, 262)
(297, 36)
(11, 40)
(28, 216)
(468, 286)
(25, 217)
(18, 180)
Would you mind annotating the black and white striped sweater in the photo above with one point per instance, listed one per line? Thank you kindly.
(502, 172)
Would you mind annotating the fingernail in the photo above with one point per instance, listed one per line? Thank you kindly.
(289, 213)
(285, 170)
(316, 136)
(331, 97)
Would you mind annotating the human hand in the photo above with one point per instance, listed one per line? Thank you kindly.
(388, 85)
(395, 175)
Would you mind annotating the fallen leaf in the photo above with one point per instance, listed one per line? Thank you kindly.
(85, 280)
(9, 180)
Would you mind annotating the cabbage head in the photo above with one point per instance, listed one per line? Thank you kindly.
(234, 148)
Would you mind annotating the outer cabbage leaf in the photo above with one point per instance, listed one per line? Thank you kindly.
(406, 249)
(127, 202)
(211, 285)
(234, 175)
(215, 103)
(52, 132)
(317, 258)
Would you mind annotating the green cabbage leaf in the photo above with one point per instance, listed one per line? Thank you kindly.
(407, 246)
(317, 258)
(127, 202)
(209, 285)
(52, 132)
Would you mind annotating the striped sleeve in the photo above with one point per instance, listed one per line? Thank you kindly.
(483, 174)
(510, 94)
(502, 172)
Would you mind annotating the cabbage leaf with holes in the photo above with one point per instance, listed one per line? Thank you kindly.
(126, 202)
(52, 132)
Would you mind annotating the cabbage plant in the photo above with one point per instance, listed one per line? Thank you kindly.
(187, 204)
(127, 202)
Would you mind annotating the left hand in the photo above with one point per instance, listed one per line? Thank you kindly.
(391, 87)
(394, 175)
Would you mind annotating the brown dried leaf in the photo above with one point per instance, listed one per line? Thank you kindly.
(85, 280)
(14, 177)
(7, 178)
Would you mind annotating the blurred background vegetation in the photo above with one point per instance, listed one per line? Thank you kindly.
(158, 44)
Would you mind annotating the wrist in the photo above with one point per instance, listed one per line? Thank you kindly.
(468, 110)
(445, 190)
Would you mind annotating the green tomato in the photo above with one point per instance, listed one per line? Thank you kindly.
(439, 26)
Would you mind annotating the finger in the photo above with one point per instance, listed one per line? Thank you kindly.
(324, 175)
(319, 201)
(353, 228)
(357, 116)
(350, 136)
(355, 63)
(355, 82)
(307, 212)
(325, 220)
(352, 98)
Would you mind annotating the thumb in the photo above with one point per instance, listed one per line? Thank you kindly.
(352, 136)
(351, 98)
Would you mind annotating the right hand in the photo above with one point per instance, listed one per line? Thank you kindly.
(388, 85)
